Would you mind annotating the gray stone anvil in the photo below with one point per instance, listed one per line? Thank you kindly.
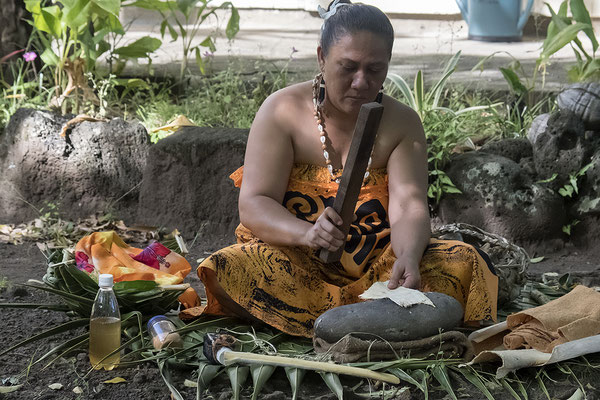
(387, 320)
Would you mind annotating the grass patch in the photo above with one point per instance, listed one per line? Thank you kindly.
(3, 283)
(228, 98)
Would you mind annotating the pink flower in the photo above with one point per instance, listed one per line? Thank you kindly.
(30, 56)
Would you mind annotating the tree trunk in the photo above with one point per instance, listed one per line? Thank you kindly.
(14, 31)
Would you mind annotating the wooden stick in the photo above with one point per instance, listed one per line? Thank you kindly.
(363, 139)
(232, 357)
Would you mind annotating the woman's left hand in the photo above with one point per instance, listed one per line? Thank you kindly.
(405, 273)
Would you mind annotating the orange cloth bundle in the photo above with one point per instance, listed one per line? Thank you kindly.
(107, 253)
(575, 315)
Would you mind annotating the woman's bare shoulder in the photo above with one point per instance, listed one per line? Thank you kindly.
(282, 112)
(288, 101)
(400, 119)
(397, 111)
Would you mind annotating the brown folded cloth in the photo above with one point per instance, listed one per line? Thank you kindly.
(451, 344)
(573, 316)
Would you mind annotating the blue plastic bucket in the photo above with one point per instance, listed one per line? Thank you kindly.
(495, 20)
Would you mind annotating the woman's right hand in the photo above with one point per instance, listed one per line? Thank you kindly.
(326, 233)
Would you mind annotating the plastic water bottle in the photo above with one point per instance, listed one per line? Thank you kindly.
(105, 326)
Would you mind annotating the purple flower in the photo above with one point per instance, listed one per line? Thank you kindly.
(208, 54)
(294, 50)
(30, 56)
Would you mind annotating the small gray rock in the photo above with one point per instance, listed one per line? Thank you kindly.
(538, 125)
(388, 320)
(582, 99)
(276, 395)
(226, 395)
(19, 291)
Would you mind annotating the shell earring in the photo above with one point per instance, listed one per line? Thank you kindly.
(379, 97)
(321, 97)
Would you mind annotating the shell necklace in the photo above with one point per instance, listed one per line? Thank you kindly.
(318, 113)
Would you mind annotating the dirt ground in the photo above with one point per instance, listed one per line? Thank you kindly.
(23, 262)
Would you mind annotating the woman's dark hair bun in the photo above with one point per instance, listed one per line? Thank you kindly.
(351, 18)
(341, 2)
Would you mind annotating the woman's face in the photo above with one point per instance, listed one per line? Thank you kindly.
(354, 70)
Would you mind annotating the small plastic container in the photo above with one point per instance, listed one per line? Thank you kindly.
(163, 333)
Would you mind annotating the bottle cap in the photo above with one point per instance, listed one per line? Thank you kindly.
(154, 320)
(105, 280)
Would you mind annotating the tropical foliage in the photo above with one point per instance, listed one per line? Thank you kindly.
(442, 122)
(72, 35)
(563, 31)
(188, 16)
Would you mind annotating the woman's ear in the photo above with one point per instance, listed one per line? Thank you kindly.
(320, 58)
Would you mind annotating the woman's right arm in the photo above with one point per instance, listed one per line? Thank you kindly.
(267, 166)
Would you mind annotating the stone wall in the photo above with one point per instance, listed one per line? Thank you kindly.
(186, 183)
(110, 167)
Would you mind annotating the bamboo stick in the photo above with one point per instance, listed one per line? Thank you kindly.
(232, 357)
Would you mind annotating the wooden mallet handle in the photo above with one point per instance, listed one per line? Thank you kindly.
(363, 139)
(233, 357)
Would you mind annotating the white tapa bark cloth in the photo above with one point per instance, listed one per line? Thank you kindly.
(402, 296)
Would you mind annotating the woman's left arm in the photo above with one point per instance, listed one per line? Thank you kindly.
(408, 209)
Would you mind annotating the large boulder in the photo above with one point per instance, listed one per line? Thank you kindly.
(562, 148)
(187, 186)
(497, 196)
(95, 168)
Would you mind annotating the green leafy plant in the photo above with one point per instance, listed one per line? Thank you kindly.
(571, 190)
(71, 36)
(563, 31)
(418, 98)
(3, 282)
(189, 15)
(440, 121)
(567, 228)
(523, 105)
(222, 99)
(572, 186)
(20, 84)
(119, 55)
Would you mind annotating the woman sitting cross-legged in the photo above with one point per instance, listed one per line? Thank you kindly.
(297, 148)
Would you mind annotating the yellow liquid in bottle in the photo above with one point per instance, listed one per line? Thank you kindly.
(105, 337)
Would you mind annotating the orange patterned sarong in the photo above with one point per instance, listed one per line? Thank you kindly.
(289, 287)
